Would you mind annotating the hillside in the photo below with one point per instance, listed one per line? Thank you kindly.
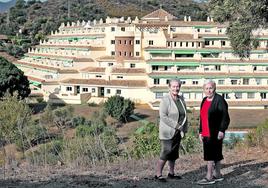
(4, 6)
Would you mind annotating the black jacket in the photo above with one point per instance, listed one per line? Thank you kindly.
(218, 116)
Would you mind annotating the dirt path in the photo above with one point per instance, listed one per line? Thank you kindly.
(241, 168)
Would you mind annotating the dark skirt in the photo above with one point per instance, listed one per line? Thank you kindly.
(170, 148)
(212, 149)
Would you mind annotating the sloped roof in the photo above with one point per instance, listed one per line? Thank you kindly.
(159, 14)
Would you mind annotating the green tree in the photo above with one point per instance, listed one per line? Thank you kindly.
(15, 115)
(119, 108)
(244, 17)
(12, 80)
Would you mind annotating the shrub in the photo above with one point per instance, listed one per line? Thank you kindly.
(119, 108)
(32, 135)
(48, 153)
(259, 136)
(15, 115)
(91, 149)
(191, 143)
(145, 141)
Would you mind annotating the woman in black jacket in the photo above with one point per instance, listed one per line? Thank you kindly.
(214, 120)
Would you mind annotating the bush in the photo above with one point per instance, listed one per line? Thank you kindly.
(119, 108)
(145, 141)
(259, 136)
(191, 143)
(90, 150)
(32, 135)
(48, 153)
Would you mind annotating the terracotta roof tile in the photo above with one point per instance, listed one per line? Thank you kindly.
(37, 66)
(101, 82)
(71, 46)
(128, 70)
(159, 14)
(93, 69)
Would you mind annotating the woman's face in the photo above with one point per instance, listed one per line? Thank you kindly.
(209, 90)
(174, 88)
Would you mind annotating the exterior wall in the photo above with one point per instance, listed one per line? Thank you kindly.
(124, 48)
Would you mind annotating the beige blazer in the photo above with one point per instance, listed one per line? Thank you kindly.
(169, 116)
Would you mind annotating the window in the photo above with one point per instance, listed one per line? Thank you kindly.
(98, 76)
(180, 44)
(125, 53)
(186, 44)
(130, 42)
(251, 95)
(258, 81)
(137, 41)
(223, 43)
(125, 41)
(118, 92)
(130, 54)
(151, 42)
(120, 53)
(234, 82)
(206, 43)
(112, 28)
(195, 82)
(85, 89)
(192, 44)
(212, 42)
(263, 95)
(93, 90)
(183, 82)
(168, 44)
(132, 65)
(156, 81)
(110, 64)
(254, 68)
(165, 68)
(108, 91)
(137, 53)
(198, 30)
(226, 95)
(221, 82)
(175, 44)
(123, 29)
(112, 41)
(155, 67)
(120, 77)
(167, 82)
(245, 81)
(69, 88)
(112, 53)
(218, 67)
(238, 95)
(119, 42)
(159, 95)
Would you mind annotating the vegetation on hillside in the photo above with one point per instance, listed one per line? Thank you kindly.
(28, 22)
(12, 80)
(244, 17)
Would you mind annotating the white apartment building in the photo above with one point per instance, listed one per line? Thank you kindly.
(90, 61)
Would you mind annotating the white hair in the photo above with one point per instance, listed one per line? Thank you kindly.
(174, 80)
(209, 81)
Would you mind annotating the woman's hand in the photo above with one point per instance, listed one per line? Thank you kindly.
(220, 135)
(200, 137)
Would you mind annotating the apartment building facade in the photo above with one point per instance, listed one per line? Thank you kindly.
(91, 61)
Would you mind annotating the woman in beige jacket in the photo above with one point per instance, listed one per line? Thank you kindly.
(173, 126)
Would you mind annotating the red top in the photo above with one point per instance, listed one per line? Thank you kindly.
(204, 118)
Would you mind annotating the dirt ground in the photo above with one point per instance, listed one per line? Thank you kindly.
(241, 168)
